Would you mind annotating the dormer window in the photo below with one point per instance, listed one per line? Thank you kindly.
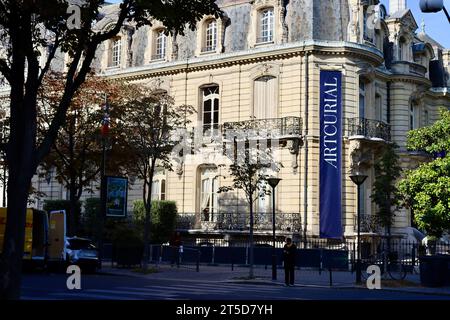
(210, 42)
(402, 49)
(266, 25)
(115, 52)
(160, 45)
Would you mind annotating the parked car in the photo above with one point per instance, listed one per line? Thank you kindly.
(83, 253)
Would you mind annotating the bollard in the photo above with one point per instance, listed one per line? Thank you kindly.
(331, 277)
(320, 263)
(198, 261)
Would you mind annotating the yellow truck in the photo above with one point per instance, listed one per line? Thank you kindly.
(45, 237)
(36, 236)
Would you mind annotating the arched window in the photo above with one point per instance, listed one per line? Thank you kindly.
(210, 105)
(266, 25)
(159, 185)
(265, 98)
(210, 43)
(160, 45)
(115, 52)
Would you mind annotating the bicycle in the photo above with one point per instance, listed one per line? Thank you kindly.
(388, 263)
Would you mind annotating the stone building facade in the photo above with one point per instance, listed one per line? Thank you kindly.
(259, 66)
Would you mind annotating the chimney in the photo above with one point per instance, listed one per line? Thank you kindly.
(397, 5)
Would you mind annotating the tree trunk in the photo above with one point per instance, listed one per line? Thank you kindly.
(21, 169)
(148, 217)
(11, 260)
(251, 251)
(73, 214)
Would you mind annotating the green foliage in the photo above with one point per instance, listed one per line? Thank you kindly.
(124, 234)
(164, 214)
(432, 139)
(90, 221)
(385, 193)
(427, 191)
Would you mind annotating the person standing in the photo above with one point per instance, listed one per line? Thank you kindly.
(289, 252)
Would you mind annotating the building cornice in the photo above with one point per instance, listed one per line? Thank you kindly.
(260, 54)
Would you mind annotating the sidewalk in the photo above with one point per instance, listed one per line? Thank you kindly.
(304, 278)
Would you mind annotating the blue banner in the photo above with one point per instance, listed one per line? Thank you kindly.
(330, 154)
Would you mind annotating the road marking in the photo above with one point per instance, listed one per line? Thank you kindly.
(184, 290)
(88, 295)
(129, 292)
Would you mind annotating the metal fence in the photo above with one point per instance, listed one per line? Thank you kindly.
(313, 253)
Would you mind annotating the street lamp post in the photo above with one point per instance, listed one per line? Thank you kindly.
(273, 182)
(358, 178)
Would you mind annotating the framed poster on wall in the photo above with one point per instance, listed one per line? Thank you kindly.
(116, 196)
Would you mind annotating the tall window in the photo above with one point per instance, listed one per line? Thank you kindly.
(208, 194)
(265, 98)
(266, 25)
(378, 108)
(210, 96)
(427, 118)
(210, 36)
(401, 49)
(116, 48)
(159, 189)
(362, 99)
(412, 116)
(160, 45)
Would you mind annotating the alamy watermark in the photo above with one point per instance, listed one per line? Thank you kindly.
(374, 279)
(74, 280)
(74, 20)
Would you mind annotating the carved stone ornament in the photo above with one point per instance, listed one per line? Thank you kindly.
(360, 156)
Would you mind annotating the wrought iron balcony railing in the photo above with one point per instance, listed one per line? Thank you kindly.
(239, 221)
(368, 129)
(186, 221)
(369, 224)
(275, 128)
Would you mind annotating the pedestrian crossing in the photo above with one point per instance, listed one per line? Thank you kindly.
(178, 291)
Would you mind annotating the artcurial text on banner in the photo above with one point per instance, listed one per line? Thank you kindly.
(330, 154)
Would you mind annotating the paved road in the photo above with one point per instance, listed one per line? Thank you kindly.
(114, 287)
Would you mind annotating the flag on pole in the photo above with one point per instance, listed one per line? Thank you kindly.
(106, 119)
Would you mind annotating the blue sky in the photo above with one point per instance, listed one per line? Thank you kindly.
(437, 25)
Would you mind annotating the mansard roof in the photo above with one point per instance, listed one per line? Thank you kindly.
(424, 37)
(406, 17)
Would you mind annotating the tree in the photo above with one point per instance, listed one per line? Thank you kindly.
(28, 26)
(77, 151)
(385, 193)
(151, 119)
(164, 216)
(426, 190)
(247, 170)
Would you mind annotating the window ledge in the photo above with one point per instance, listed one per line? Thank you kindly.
(158, 60)
(257, 44)
(205, 53)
